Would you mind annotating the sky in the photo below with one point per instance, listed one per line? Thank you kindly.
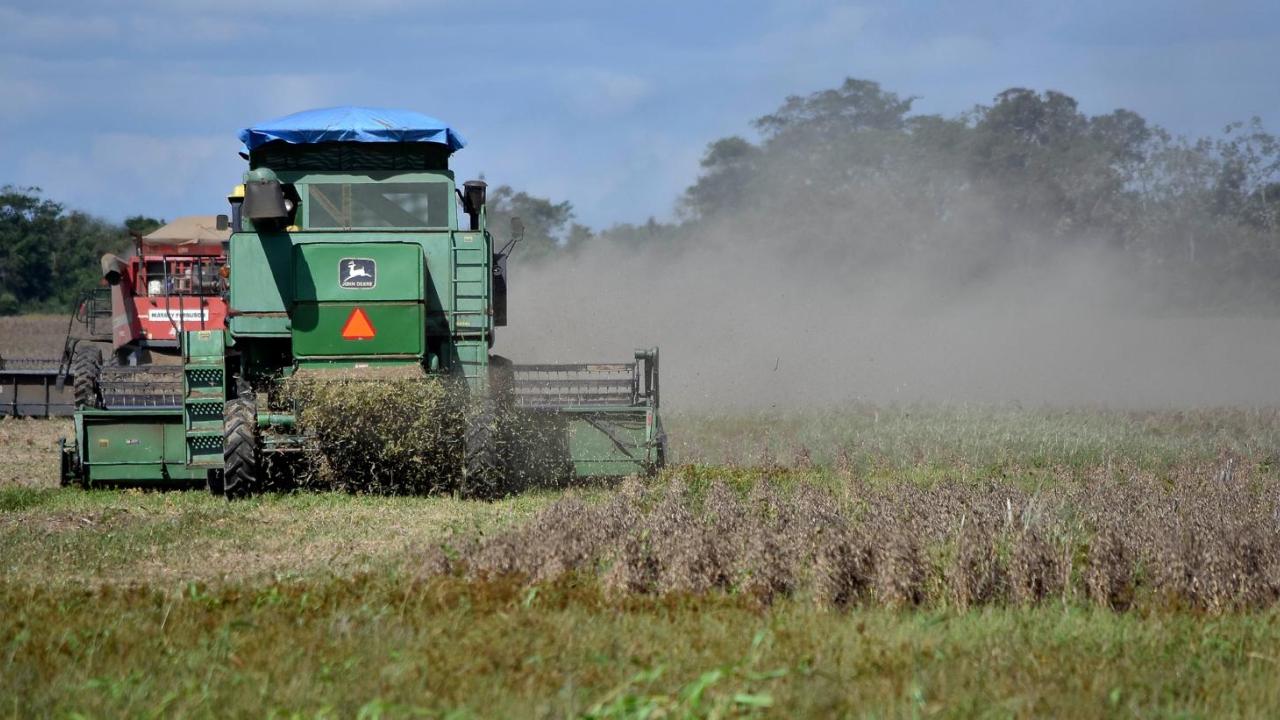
(132, 107)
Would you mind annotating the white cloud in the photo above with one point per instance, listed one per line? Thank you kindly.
(23, 97)
(189, 31)
(598, 92)
(247, 10)
(808, 37)
(137, 94)
(58, 28)
(116, 174)
(183, 95)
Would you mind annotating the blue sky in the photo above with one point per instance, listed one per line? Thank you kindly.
(133, 106)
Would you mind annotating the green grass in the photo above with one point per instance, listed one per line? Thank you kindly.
(338, 647)
(70, 536)
(128, 603)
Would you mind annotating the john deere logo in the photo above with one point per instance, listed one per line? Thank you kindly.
(357, 273)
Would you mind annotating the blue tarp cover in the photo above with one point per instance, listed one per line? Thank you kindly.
(353, 124)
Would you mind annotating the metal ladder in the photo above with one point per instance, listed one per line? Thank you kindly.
(469, 305)
(203, 395)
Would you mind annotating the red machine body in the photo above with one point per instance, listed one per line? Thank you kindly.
(174, 282)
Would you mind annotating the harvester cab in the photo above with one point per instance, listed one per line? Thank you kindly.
(171, 284)
(347, 259)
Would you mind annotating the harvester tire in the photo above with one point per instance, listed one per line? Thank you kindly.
(502, 381)
(213, 483)
(484, 468)
(240, 453)
(69, 471)
(86, 369)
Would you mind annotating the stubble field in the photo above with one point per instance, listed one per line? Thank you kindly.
(853, 562)
(32, 336)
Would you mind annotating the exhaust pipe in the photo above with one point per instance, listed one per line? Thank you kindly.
(113, 269)
(473, 199)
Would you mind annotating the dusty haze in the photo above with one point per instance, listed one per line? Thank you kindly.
(1022, 253)
(747, 321)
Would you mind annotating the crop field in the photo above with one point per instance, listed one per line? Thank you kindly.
(877, 562)
(32, 336)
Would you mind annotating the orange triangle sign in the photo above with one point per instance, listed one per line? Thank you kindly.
(358, 327)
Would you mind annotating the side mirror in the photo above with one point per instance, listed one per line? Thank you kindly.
(517, 233)
(221, 222)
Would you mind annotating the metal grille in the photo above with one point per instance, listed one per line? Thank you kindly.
(141, 387)
(204, 377)
(39, 366)
(97, 313)
(554, 387)
(334, 156)
(205, 443)
(198, 411)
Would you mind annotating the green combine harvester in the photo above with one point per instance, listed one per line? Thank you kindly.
(348, 257)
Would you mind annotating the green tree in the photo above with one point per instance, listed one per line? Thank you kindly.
(28, 225)
(48, 255)
(850, 177)
(544, 221)
(855, 105)
(1054, 172)
(80, 243)
(729, 168)
(141, 224)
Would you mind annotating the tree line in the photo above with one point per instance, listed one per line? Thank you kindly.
(48, 254)
(853, 178)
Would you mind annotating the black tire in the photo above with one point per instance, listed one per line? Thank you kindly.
(86, 369)
(484, 467)
(213, 483)
(660, 459)
(240, 453)
(488, 444)
(502, 381)
(68, 465)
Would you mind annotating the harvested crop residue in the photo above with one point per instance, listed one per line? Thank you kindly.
(29, 451)
(1209, 540)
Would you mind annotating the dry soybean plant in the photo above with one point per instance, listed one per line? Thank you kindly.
(390, 435)
(1205, 539)
(397, 431)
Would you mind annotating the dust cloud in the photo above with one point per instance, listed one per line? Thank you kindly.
(747, 319)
